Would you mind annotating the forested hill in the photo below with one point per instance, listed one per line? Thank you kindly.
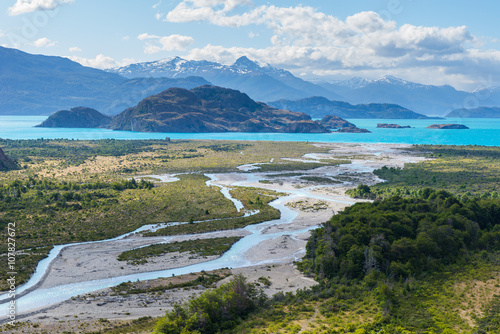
(401, 238)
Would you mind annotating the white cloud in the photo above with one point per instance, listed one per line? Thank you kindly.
(44, 42)
(2, 34)
(145, 35)
(28, 6)
(305, 40)
(100, 61)
(156, 44)
(75, 49)
(156, 5)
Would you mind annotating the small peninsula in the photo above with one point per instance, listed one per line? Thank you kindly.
(448, 127)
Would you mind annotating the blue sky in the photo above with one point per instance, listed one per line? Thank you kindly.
(432, 42)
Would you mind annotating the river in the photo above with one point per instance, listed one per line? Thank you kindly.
(31, 297)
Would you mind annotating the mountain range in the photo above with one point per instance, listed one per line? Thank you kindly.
(267, 83)
(262, 83)
(482, 112)
(319, 106)
(39, 85)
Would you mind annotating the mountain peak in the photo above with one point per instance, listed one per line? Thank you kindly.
(245, 63)
(173, 60)
(391, 80)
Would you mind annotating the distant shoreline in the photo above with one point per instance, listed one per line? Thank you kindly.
(484, 132)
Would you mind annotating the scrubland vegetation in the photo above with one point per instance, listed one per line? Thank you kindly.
(197, 247)
(466, 171)
(417, 260)
(424, 257)
(70, 191)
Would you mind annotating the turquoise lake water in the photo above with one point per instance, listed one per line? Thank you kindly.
(483, 131)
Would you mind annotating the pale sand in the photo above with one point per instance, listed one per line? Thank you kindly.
(99, 260)
(88, 262)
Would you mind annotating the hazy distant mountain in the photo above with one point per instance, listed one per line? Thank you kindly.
(210, 109)
(267, 83)
(262, 83)
(424, 99)
(319, 106)
(40, 85)
(481, 112)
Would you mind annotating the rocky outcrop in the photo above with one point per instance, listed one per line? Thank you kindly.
(79, 117)
(392, 126)
(5, 162)
(210, 109)
(335, 122)
(448, 127)
(353, 130)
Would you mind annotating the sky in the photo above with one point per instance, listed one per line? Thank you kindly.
(431, 42)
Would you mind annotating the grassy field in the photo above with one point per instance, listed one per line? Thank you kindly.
(78, 160)
(252, 198)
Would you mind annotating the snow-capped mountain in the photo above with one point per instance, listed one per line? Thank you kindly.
(266, 83)
(260, 82)
(40, 85)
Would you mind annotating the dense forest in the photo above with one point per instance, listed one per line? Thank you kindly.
(401, 238)
(214, 311)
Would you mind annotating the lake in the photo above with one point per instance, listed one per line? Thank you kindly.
(483, 131)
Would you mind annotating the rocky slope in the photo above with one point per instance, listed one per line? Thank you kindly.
(79, 117)
(335, 122)
(5, 162)
(210, 109)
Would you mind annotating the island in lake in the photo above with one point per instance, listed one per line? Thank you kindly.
(448, 127)
(78, 117)
(392, 126)
(335, 122)
(202, 109)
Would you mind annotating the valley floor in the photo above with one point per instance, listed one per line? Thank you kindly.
(270, 261)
